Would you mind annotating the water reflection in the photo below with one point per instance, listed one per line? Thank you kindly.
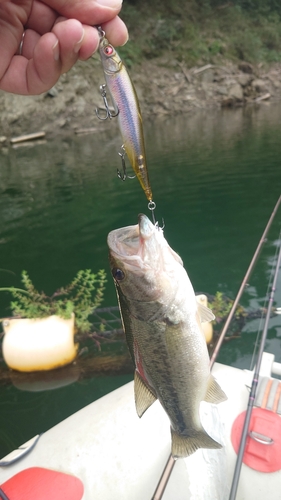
(215, 178)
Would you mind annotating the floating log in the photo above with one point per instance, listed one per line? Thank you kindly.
(88, 130)
(29, 144)
(100, 364)
(27, 137)
(203, 68)
(263, 97)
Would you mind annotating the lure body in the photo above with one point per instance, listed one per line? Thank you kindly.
(126, 104)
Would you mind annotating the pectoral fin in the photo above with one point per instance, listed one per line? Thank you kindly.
(214, 392)
(144, 396)
(205, 313)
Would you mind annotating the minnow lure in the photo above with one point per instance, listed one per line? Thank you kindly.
(126, 107)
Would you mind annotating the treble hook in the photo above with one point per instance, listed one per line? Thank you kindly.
(108, 112)
(123, 175)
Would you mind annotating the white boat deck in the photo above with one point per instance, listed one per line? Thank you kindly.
(119, 456)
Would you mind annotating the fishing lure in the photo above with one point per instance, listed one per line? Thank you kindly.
(127, 109)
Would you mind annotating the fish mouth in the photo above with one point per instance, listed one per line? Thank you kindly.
(146, 228)
(129, 244)
(124, 242)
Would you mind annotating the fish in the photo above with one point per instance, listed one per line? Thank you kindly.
(162, 322)
(127, 108)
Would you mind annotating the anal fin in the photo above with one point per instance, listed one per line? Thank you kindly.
(144, 396)
(214, 393)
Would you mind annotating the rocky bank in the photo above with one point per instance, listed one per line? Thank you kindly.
(163, 87)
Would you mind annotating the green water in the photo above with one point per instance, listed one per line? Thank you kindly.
(215, 178)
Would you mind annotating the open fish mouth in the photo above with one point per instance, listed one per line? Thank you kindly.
(127, 241)
(124, 242)
(133, 245)
(141, 247)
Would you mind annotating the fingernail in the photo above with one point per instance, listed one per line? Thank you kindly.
(77, 46)
(56, 51)
(126, 40)
(110, 3)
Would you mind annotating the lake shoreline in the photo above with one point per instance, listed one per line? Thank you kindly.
(165, 87)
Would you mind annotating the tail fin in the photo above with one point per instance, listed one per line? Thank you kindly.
(183, 446)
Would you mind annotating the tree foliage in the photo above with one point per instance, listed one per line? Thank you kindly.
(203, 31)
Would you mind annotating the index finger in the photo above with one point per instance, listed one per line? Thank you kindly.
(90, 12)
(41, 18)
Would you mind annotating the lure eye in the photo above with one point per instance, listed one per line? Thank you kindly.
(118, 274)
(108, 50)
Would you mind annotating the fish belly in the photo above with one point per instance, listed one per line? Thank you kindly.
(166, 362)
(174, 367)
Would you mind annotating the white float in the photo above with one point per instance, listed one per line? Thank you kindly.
(38, 344)
(207, 326)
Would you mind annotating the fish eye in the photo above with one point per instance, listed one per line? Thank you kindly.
(108, 50)
(118, 274)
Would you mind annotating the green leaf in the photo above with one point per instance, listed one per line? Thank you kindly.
(81, 297)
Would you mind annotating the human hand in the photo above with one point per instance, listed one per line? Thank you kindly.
(56, 34)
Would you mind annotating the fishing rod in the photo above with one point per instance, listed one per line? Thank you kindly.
(252, 395)
(243, 284)
(167, 471)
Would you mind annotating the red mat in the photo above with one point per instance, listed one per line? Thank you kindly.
(37, 483)
(259, 455)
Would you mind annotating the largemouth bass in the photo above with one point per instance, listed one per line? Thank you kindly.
(126, 104)
(162, 323)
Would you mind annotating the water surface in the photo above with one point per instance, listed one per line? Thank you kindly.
(215, 177)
